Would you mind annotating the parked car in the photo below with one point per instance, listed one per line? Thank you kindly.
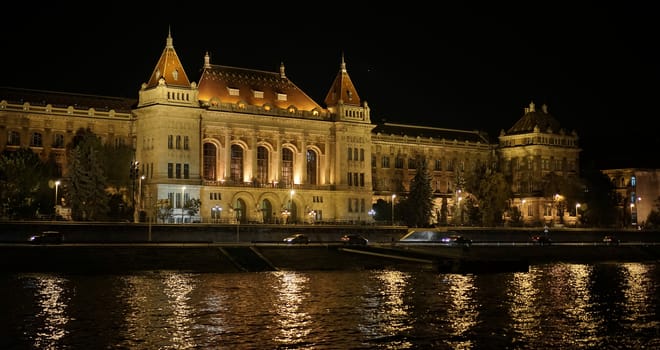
(610, 240)
(47, 237)
(541, 240)
(296, 239)
(456, 240)
(354, 239)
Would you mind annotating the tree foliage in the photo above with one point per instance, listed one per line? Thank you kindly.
(87, 181)
(23, 184)
(419, 204)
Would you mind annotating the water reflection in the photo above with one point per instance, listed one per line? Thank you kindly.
(51, 317)
(293, 321)
(572, 306)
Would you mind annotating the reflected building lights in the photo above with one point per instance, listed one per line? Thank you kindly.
(294, 323)
(53, 304)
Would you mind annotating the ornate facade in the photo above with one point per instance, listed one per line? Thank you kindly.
(253, 147)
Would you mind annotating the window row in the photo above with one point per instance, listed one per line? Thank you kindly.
(356, 205)
(262, 173)
(356, 179)
(355, 154)
(174, 142)
(174, 171)
(36, 139)
(412, 163)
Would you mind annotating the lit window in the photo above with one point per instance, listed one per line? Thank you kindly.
(281, 97)
(232, 91)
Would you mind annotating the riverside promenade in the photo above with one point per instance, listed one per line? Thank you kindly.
(119, 247)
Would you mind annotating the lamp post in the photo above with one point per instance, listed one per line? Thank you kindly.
(138, 207)
(393, 196)
(577, 216)
(291, 203)
(57, 184)
(183, 194)
(372, 213)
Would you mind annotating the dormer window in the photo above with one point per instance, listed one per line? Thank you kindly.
(281, 97)
(175, 74)
(258, 94)
(232, 91)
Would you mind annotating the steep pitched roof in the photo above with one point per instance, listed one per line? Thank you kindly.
(227, 84)
(342, 89)
(532, 119)
(414, 131)
(169, 68)
(63, 99)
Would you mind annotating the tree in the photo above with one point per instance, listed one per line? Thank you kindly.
(24, 184)
(86, 186)
(653, 219)
(419, 204)
(192, 206)
(600, 198)
(492, 192)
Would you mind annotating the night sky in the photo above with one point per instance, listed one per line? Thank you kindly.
(452, 66)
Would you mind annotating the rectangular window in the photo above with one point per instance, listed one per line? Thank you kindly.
(186, 171)
(362, 179)
(178, 170)
(36, 140)
(386, 162)
(438, 165)
(232, 91)
(350, 179)
(398, 163)
(186, 143)
(281, 97)
(170, 170)
(355, 179)
(14, 138)
(58, 141)
(170, 141)
(178, 141)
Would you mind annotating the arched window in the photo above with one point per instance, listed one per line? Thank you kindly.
(210, 152)
(262, 165)
(236, 163)
(287, 167)
(311, 167)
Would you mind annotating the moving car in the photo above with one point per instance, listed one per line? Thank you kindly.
(541, 240)
(354, 239)
(296, 238)
(610, 240)
(456, 240)
(47, 237)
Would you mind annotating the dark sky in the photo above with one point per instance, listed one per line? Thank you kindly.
(453, 66)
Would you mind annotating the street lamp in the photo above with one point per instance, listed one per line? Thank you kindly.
(393, 196)
(372, 213)
(291, 203)
(183, 194)
(577, 216)
(57, 184)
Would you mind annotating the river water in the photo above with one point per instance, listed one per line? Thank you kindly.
(553, 306)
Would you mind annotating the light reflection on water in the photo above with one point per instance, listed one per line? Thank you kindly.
(567, 306)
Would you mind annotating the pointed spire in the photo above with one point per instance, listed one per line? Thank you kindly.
(169, 43)
(207, 60)
(282, 74)
(343, 63)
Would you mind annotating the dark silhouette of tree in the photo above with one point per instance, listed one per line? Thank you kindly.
(86, 186)
(492, 192)
(419, 203)
(653, 219)
(24, 184)
(600, 198)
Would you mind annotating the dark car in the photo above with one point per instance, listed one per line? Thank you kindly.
(47, 237)
(541, 240)
(296, 238)
(354, 239)
(610, 240)
(457, 240)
